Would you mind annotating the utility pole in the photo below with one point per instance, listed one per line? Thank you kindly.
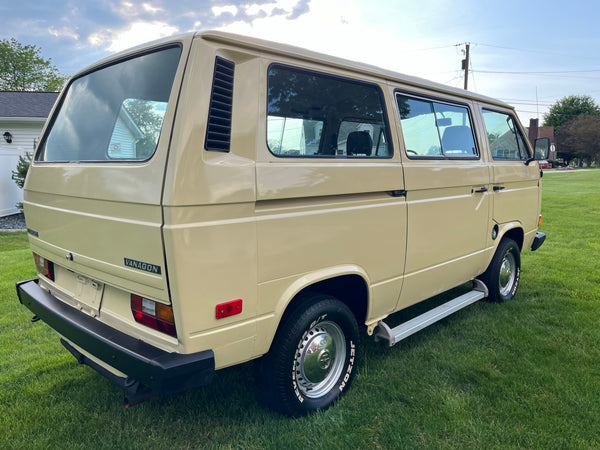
(465, 64)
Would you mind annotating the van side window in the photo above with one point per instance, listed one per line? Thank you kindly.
(434, 129)
(317, 115)
(505, 138)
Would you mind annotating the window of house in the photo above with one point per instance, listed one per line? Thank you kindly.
(310, 114)
(433, 129)
(505, 138)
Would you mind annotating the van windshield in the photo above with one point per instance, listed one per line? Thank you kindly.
(115, 113)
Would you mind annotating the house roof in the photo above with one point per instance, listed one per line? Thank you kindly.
(26, 104)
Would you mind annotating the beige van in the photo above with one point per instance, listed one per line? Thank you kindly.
(211, 199)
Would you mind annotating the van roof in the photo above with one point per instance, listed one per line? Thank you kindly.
(299, 53)
(332, 61)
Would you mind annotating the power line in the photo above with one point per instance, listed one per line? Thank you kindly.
(537, 51)
(436, 48)
(538, 73)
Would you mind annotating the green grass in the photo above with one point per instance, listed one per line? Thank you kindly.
(521, 374)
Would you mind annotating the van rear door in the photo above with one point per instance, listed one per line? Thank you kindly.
(93, 194)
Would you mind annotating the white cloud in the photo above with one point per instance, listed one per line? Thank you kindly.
(254, 9)
(64, 32)
(137, 33)
(125, 9)
(334, 27)
(151, 9)
(342, 28)
(219, 10)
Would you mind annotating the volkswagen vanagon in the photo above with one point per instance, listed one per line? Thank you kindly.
(211, 199)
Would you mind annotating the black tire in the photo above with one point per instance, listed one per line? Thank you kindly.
(312, 359)
(504, 272)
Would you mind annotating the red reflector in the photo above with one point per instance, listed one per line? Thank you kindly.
(229, 308)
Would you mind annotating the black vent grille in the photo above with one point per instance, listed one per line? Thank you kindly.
(218, 130)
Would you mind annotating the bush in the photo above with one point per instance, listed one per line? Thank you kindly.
(22, 167)
(19, 175)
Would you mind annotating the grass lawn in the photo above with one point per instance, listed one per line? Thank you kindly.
(521, 374)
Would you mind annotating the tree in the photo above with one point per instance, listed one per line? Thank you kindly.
(22, 68)
(568, 108)
(580, 138)
(143, 113)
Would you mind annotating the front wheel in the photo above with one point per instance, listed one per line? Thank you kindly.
(504, 272)
(312, 358)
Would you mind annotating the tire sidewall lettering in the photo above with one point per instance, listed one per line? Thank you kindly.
(345, 376)
(515, 285)
(349, 368)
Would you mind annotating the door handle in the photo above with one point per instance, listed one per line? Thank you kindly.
(498, 188)
(480, 190)
(397, 193)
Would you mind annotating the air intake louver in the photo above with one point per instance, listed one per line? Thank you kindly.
(218, 130)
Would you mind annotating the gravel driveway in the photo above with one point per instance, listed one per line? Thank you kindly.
(16, 222)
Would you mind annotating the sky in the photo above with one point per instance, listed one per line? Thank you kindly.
(529, 53)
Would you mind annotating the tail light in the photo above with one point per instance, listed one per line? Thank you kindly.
(153, 314)
(44, 266)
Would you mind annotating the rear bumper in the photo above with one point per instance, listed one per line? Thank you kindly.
(161, 371)
(538, 240)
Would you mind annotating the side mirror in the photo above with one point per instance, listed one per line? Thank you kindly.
(541, 148)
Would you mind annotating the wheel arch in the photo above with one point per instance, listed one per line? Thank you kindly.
(514, 231)
(349, 285)
(350, 289)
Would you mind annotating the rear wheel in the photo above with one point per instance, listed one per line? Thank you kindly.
(312, 358)
(504, 272)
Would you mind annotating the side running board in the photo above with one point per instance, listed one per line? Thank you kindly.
(394, 335)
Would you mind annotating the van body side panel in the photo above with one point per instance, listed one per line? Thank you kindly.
(356, 229)
(208, 204)
(298, 238)
(212, 260)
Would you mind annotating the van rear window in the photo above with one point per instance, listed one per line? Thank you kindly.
(115, 113)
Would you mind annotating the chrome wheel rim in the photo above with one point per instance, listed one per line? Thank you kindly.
(320, 359)
(508, 273)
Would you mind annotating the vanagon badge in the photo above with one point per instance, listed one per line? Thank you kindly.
(146, 267)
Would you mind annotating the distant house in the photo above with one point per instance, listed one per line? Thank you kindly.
(22, 117)
(126, 134)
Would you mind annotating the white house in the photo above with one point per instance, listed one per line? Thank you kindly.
(125, 136)
(22, 116)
